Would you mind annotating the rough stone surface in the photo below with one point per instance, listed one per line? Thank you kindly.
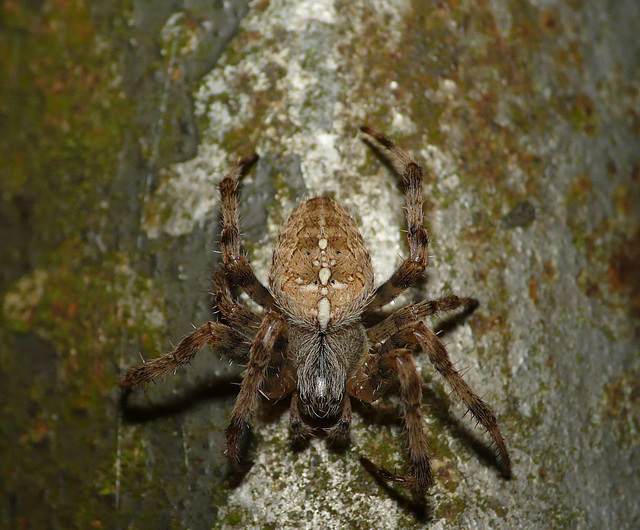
(117, 125)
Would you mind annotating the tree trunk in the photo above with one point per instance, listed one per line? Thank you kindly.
(117, 123)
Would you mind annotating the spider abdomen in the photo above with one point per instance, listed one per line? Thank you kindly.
(321, 272)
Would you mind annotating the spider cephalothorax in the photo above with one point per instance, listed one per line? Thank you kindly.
(311, 341)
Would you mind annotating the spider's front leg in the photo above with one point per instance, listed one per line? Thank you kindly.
(270, 343)
(236, 313)
(413, 267)
(235, 260)
(229, 342)
(300, 431)
(339, 433)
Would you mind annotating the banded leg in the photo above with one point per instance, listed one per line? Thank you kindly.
(411, 268)
(372, 380)
(400, 361)
(270, 342)
(235, 260)
(227, 341)
(339, 433)
(236, 313)
(439, 357)
(300, 431)
(408, 315)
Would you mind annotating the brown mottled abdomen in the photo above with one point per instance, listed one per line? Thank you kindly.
(320, 269)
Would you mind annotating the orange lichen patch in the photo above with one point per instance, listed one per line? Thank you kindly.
(37, 433)
(624, 265)
(625, 200)
(549, 20)
(72, 309)
(533, 288)
(549, 271)
(486, 324)
(588, 285)
(581, 186)
(622, 405)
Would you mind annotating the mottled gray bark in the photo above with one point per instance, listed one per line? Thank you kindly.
(117, 127)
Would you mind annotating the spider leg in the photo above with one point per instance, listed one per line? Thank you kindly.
(439, 357)
(299, 429)
(339, 433)
(411, 268)
(408, 315)
(236, 313)
(371, 381)
(399, 361)
(227, 341)
(235, 260)
(269, 343)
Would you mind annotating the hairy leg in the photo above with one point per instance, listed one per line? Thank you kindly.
(227, 341)
(439, 357)
(299, 429)
(411, 268)
(400, 363)
(236, 314)
(339, 433)
(235, 260)
(270, 342)
(371, 381)
(408, 315)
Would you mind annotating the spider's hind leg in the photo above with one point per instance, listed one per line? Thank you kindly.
(396, 362)
(439, 357)
(270, 342)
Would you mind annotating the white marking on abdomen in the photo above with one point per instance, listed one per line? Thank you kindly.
(324, 275)
(324, 312)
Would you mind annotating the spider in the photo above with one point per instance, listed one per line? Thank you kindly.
(311, 341)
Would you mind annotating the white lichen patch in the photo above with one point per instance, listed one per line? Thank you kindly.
(193, 194)
(335, 487)
(144, 307)
(304, 12)
(306, 42)
(20, 303)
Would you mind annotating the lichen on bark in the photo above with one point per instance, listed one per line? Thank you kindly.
(118, 121)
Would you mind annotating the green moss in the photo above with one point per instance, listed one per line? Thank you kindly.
(450, 509)
(621, 406)
(64, 139)
(63, 116)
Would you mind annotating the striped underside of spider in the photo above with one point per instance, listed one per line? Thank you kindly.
(311, 341)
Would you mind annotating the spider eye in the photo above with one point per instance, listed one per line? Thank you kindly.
(308, 253)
